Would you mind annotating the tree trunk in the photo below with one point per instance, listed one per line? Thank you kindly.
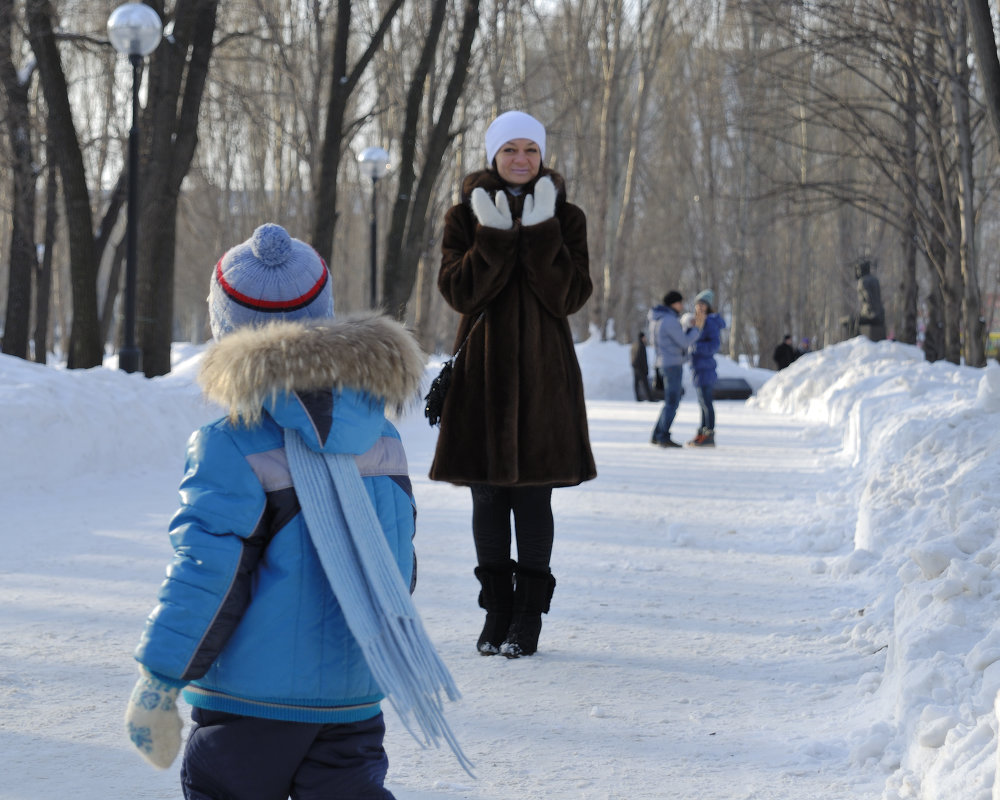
(650, 47)
(907, 331)
(972, 325)
(395, 294)
(43, 279)
(342, 86)
(405, 244)
(23, 257)
(178, 70)
(118, 195)
(609, 160)
(988, 64)
(945, 233)
(934, 346)
(85, 347)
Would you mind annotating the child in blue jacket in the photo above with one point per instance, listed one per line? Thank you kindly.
(261, 621)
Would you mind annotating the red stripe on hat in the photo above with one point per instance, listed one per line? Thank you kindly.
(272, 305)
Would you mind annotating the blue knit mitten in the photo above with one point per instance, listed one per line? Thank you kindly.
(152, 720)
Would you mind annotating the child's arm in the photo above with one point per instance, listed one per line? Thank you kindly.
(218, 535)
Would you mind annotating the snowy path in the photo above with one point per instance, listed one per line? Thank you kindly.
(691, 652)
(695, 648)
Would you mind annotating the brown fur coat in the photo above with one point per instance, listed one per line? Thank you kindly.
(514, 414)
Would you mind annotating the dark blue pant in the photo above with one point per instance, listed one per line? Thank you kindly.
(707, 408)
(672, 378)
(229, 757)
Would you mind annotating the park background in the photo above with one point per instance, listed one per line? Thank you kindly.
(757, 148)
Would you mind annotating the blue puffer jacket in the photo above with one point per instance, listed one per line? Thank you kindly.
(704, 350)
(246, 619)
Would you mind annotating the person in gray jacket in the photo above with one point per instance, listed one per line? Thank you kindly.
(671, 342)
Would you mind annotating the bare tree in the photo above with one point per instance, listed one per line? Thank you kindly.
(342, 83)
(178, 71)
(984, 44)
(85, 346)
(954, 36)
(14, 82)
(756, 147)
(406, 241)
(43, 274)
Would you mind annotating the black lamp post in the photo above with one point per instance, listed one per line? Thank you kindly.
(135, 30)
(374, 163)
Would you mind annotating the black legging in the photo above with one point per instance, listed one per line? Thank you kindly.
(533, 527)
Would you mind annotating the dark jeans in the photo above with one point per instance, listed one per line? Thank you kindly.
(707, 409)
(672, 377)
(531, 506)
(230, 757)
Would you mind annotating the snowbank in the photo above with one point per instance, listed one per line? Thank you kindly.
(923, 439)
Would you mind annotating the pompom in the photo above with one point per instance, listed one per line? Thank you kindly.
(271, 244)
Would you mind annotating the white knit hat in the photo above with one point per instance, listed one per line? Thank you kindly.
(513, 125)
(270, 276)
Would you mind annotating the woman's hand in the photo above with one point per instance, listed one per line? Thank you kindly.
(488, 214)
(542, 206)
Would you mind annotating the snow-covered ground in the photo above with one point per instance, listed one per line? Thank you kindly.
(807, 611)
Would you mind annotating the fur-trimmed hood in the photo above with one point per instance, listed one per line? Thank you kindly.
(369, 353)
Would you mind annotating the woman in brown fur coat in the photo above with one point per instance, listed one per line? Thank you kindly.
(514, 425)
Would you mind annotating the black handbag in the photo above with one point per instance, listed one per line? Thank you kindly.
(434, 401)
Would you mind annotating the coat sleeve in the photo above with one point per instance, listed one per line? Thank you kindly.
(670, 330)
(218, 535)
(476, 261)
(557, 262)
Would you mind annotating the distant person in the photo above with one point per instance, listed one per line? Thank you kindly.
(671, 342)
(285, 617)
(805, 346)
(703, 369)
(640, 369)
(514, 264)
(785, 353)
(871, 313)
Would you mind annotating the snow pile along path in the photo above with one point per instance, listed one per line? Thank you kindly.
(923, 439)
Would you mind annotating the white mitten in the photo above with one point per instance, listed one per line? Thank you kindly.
(687, 320)
(152, 720)
(488, 214)
(542, 206)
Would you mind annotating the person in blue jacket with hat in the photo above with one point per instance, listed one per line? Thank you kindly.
(703, 370)
(285, 617)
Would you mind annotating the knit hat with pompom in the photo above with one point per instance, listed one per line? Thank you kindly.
(270, 276)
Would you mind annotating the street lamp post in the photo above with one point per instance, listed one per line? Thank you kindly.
(135, 30)
(374, 163)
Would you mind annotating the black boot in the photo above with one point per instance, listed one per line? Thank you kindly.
(532, 594)
(497, 597)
